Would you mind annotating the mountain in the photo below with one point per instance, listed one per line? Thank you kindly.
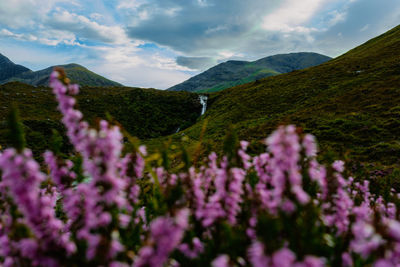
(234, 72)
(351, 104)
(8, 69)
(77, 74)
(10, 72)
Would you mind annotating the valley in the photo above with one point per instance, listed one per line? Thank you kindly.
(144, 113)
(228, 138)
(349, 103)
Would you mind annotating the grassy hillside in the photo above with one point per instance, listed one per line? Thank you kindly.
(233, 72)
(256, 74)
(77, 73)
(145, 113)
(351, 104)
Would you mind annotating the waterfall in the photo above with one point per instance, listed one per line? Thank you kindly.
(203, 102)
(177, 130)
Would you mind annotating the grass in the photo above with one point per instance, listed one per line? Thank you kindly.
(145, 113)
(258, 74)
(351, 104)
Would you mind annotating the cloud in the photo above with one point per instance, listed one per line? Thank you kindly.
(130, 4)
(48, 37)
(335, 17)
(48, 22)
(36, 58)
(134, 66)
(244, 29)
(363, 29)
(85, 28)
(23, 13)
(19, 36)
(141, 76)
(292, 15)
(196, 63)
(257, 28)
(199, 26)
(364, 20)
(156, 43)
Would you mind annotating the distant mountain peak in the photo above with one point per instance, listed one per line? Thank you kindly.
(73, 65)
(235, 72)
(9, 69)
(4, 59)
(10, 72)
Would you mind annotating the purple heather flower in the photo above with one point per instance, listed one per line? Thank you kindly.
(347, 260)
(394, 229)
(383, 263)
(338, 166)
(283, 258)
(311, 261)
(41, 216)
(234, 194)
(166, 234)
(309, 145)
(365, 239)
(22, 176)
(256, 255)
(197, 248)
(221, 261)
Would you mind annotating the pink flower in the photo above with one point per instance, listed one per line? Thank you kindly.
(221, 261)
(283, 258)
(338, 166)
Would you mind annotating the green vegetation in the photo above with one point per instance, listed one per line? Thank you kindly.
(76, 73)
(351, 104)
(233, 72)
(145, 113)
(252, 77)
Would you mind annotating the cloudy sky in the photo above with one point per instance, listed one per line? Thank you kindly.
(158, 43)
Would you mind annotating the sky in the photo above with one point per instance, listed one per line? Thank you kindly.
(159, 43)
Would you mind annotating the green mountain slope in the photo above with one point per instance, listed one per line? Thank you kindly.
(8, 69)
(77, 73)
(232, 73)
(145, 113)
(351, 104)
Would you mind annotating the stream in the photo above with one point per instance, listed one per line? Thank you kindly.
(203, 101)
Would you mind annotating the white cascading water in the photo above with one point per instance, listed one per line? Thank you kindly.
(203, 102)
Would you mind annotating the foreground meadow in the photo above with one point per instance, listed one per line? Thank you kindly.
(110, 205)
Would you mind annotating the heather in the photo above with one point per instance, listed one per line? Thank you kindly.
(118, 206)
(350, 104)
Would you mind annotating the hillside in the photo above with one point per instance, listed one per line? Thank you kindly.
(144, 113)
(8, 69)
(351, 104)
(233, 72)
(77, 73)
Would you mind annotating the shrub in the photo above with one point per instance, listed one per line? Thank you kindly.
(279, 208)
